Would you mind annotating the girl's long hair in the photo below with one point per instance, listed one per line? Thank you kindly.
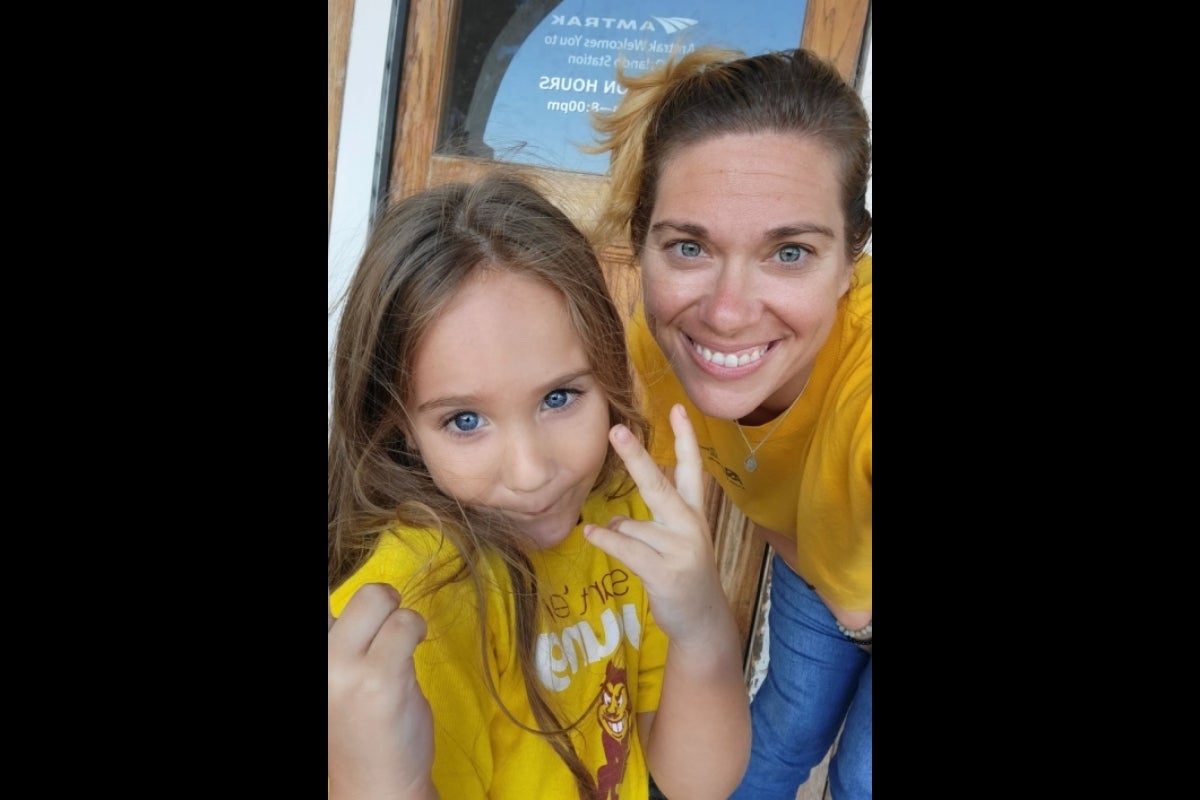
(419, 252)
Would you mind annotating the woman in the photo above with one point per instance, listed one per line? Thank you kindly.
(740, 185)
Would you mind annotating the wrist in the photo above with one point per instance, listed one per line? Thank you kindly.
(860, 636)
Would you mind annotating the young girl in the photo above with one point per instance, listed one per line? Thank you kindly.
(740, 185)
(503, 602)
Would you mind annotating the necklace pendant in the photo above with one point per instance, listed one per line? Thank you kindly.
(751, 463)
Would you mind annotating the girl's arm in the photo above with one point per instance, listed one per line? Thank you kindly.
(380, 724)
(698, 742)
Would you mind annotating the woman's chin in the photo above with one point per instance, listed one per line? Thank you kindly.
(723, 401)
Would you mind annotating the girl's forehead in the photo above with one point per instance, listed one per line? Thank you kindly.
(502, 333)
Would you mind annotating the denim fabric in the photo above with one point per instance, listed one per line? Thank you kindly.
(816, 679)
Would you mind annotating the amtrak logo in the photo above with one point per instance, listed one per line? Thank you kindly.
(668, 24)
(673, 24)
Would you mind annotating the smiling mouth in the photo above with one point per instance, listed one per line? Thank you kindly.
(737, 359)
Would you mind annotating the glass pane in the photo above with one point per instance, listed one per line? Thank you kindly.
(525, 73)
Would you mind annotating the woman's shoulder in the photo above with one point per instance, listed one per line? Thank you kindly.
(859, 305)
(852, 357)
(862, 268)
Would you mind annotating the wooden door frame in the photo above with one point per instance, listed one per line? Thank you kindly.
(341, 14)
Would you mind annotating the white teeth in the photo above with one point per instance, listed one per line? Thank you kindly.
(722, 360)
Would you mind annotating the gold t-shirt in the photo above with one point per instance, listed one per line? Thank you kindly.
(812, 482)
(600, 656)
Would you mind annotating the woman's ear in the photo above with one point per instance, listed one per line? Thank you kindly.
(847, 279)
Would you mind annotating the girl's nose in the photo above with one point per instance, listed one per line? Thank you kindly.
(528, 462)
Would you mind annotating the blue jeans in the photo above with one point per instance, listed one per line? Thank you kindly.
(816, 679)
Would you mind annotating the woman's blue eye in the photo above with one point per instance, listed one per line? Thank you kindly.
(465, 422)
(790, 252)
(558, 398)
(689, 249)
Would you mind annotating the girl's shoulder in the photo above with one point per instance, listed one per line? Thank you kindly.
(410, 559)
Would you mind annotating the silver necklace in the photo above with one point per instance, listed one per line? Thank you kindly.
(751, 462)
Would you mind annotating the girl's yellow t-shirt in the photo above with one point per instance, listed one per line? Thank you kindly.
(599, 655)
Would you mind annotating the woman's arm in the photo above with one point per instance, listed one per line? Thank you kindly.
(786, 548)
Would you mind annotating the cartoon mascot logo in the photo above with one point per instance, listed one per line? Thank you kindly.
(615, 724)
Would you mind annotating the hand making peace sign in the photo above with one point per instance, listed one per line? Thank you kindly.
(673, 554)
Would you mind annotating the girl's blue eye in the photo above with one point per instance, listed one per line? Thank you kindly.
(790, 253)
(689, 249)
(558, 398)
(465, 422)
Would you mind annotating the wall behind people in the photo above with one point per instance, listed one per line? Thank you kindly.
(360, 145)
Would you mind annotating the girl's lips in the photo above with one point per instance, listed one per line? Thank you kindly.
(522, 513)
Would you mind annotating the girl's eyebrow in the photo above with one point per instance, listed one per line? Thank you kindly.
(450, 401)
(782, 232)
(568, 378)
(468, 400)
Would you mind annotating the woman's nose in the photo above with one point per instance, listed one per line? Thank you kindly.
(730, 305)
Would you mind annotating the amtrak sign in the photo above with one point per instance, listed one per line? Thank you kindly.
(544, 87)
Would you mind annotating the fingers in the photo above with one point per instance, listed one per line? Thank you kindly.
(676, 508)
(688, 470)
(397, 639)
(380, 722)
(364, 616)
(638, 463)
(665, 500)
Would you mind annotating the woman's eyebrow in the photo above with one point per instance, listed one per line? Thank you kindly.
(690, 228)
(785, 231)
(781, 232)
